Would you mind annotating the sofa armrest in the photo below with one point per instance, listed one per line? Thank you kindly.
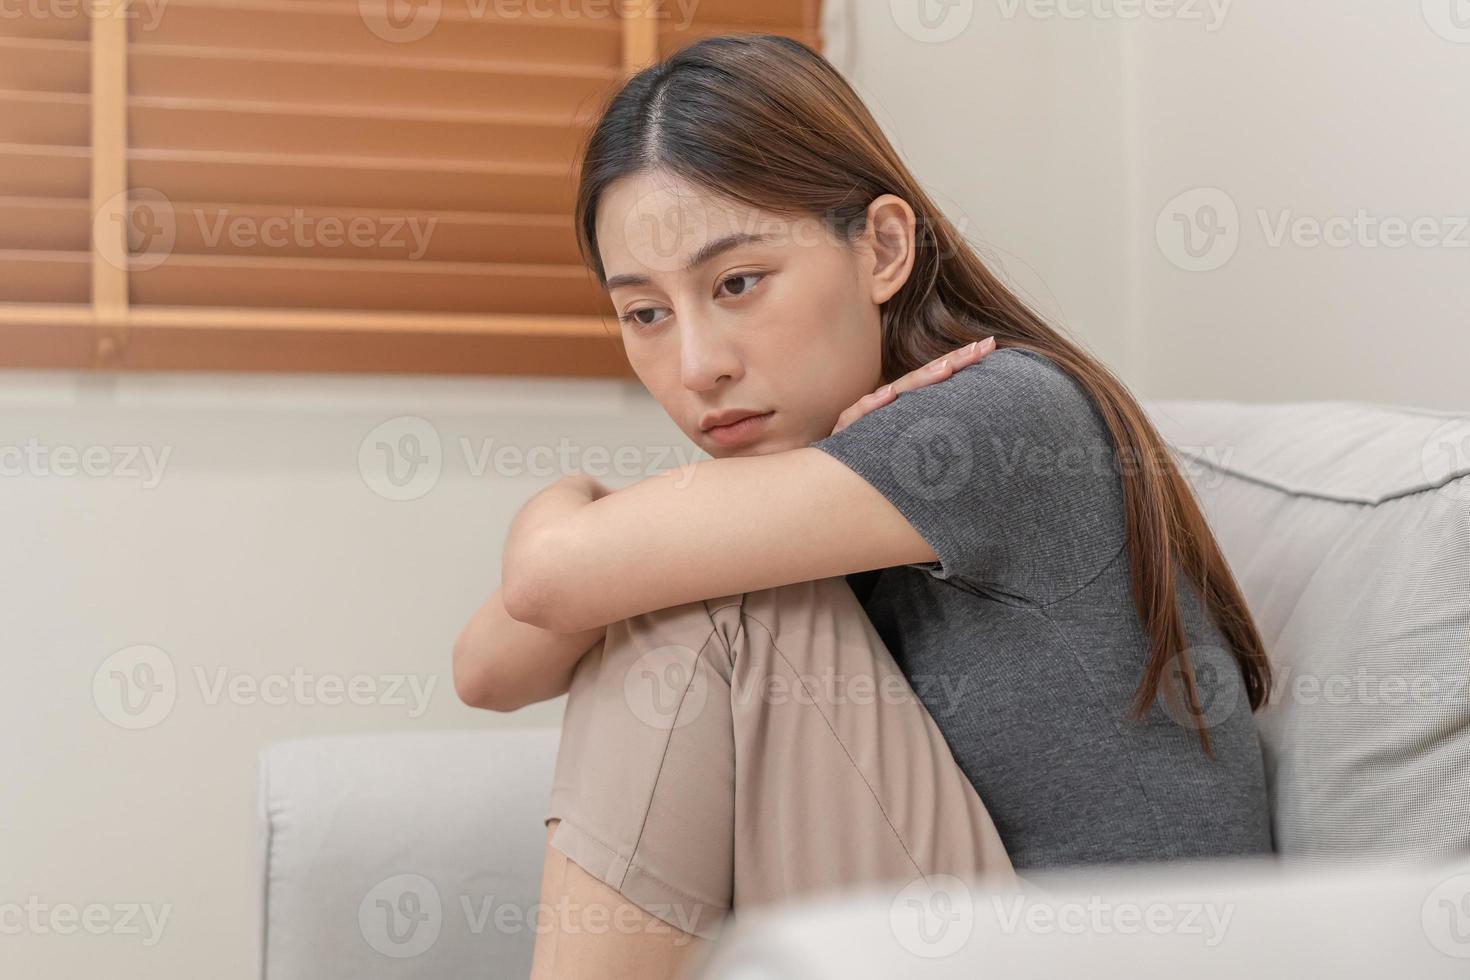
(413, 855)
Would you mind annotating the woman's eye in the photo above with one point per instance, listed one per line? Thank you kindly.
(757, 276)
(635, 318)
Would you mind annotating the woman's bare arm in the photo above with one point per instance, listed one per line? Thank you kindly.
(577, 555)
(501, 664)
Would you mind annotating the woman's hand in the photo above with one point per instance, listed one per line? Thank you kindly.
(936, 370)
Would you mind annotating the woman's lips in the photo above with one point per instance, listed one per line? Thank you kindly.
(737, 432)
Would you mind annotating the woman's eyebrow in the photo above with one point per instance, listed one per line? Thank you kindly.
(709, 250)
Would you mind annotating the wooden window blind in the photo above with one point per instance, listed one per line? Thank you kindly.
(316, 185)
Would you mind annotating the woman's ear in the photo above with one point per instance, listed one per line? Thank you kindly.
(890, 237)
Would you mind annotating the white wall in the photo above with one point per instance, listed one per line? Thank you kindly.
(1315, 109)
(1064, 130)
(265, 548)
(1017, 130)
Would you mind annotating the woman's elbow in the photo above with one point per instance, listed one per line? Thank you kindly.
(474, 685)
(539, 601)
(486, 697)
(525, 602)
(527, 586)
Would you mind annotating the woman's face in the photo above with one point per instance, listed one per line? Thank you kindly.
(727, 310)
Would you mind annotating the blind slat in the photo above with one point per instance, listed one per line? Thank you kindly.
(406, 185)
(342, 29)
(44, 171)
(45, 118)
(746, 15)
(43, 66)
(348, 131)
(46, 224)
(365, 285)
(36, 276)
(314, 78)
(37, 22)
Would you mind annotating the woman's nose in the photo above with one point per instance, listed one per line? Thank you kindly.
(706, 355)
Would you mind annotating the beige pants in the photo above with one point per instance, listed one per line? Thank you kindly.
(753, 749)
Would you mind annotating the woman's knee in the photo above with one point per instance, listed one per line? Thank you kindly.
(811, 642)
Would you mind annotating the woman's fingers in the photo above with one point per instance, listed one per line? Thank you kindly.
(942, 367)
(859, 408)
(936, 370)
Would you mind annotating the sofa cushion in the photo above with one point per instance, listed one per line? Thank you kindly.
(1348, 527)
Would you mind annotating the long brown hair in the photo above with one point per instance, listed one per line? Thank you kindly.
(766, 121)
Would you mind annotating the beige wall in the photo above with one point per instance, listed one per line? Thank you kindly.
(1075, 135)
(1017, 130)
(256, 545)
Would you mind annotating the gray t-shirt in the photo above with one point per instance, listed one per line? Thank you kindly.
(1022, 639)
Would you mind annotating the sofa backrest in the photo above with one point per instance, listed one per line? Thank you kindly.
(1348, 527)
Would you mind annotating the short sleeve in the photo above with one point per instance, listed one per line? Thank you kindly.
(1005, 468)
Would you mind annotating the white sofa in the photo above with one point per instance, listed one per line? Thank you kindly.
(1349, 528)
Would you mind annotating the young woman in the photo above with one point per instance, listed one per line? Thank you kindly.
(938, 604)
